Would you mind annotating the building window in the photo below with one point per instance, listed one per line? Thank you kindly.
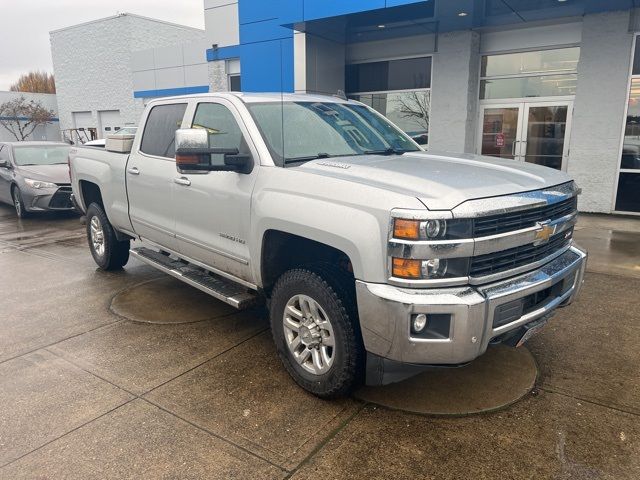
(543, 73)
(628, 193)
(398, 89)
(235, 84)
(232, 68)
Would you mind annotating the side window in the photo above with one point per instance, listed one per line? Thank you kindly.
(222, 127)
(4, 153)
(159, 133)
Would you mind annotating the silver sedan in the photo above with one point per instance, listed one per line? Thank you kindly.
(34, 176)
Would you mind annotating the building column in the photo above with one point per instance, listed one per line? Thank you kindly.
(598, 116)
(454, 92)
(218, 76)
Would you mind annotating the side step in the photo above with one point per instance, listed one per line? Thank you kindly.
(219, 287)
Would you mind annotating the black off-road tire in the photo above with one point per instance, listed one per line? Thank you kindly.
(334, 291)
(18, 204)
(116, 253)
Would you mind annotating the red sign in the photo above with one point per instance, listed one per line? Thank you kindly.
(500, 140)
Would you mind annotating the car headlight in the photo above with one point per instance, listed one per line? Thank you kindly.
(39, 183)
(440, 229)
(430, 269)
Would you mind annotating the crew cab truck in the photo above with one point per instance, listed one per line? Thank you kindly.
(376, 258)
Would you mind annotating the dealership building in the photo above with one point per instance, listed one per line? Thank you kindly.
(552, 82)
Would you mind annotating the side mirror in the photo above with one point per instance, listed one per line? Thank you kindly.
(5, 164)
(193, 154)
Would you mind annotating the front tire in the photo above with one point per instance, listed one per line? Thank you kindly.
(107, 251)
(18, 204)
(314, 327)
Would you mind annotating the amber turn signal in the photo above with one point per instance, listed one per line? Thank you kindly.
(407, 229)
(407, 268)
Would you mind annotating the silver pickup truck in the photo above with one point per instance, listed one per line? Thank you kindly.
(375, 258)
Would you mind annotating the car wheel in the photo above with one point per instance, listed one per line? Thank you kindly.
(107, 251)
(314, 325)
(18, 204)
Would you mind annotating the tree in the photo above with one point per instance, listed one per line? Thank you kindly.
(21, 116)
(35, 82)
(416, 106)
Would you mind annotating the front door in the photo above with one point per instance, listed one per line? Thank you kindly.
(213, 208)
(534, 132)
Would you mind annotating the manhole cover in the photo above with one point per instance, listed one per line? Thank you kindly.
(499, 378)
(167, 300)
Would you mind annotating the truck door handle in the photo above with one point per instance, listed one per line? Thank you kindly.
(182, 181)
(133, 171)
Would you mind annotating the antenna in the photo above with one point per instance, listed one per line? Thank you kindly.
(340, 94)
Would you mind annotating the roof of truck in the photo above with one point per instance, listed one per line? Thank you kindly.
(274, 97)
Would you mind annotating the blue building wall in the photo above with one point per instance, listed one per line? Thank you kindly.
(266, 36)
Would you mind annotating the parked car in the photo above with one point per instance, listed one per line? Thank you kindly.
(34, 176)
(377, 258)
(101, 142)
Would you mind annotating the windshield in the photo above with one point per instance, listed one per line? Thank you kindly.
(40, 155)
(325, 129)
(126, 131)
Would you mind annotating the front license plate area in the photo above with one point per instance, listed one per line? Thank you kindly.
(531, 330)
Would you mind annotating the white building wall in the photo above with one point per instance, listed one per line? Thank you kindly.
(92, 63)
(598, 117)
(173, 66)
(221, 22)
(50, 132)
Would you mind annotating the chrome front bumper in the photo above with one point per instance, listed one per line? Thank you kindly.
(386, 312)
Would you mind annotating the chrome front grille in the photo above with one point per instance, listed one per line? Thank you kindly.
(508, 222)
(513, 258)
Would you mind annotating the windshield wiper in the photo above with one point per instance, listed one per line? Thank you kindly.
(386, 151)
(307, 158)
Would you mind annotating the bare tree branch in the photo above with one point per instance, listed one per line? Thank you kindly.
(21, 117)
(415, 106)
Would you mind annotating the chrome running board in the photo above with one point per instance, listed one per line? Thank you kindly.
(223, 289)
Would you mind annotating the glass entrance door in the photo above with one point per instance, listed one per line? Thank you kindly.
(534, 132)
(501, 130)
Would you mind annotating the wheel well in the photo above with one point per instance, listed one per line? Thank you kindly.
(282, 251)
(90, 194)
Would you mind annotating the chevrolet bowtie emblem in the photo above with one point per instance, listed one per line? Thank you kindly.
(544, 232)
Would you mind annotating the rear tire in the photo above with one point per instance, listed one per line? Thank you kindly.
(314, 323)
(18, 204)
(107, 251)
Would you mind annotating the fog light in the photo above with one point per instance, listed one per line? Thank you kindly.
(419, 322)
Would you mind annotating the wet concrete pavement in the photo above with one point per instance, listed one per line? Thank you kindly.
(85, 392)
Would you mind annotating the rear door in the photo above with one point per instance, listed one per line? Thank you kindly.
(150, 174)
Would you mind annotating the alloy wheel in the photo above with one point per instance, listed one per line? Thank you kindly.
(97, 236)
(309, 334)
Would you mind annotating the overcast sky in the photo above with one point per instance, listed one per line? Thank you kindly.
(25, 26)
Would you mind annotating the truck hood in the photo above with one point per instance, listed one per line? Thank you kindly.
(58, 173)
(440, 181)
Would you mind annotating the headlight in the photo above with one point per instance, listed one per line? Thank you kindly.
(431, 229)
(39, 183)
(430, 269)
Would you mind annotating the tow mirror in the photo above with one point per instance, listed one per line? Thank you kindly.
(194, 154)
